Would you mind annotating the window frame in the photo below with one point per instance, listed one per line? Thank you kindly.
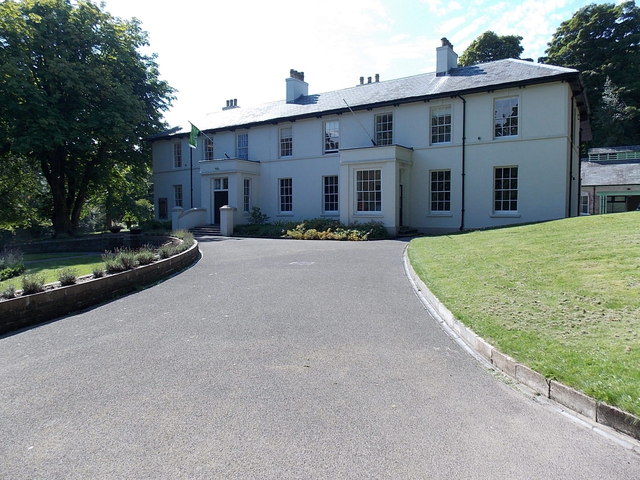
(499, 191)
(242, 150)
(507, 120)
(443, 192)
(328, 139)
(441, 130)
(207, 149)
(363, 196)
(163, 208)
(383, 136)
(246, 195)
(331, 197)
(285, 196)
(584, 195)
(178, 198)
(285, 143)
(177, 155)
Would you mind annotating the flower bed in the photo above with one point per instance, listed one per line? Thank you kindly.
(28, 310)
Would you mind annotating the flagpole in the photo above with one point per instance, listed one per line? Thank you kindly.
(191, 175)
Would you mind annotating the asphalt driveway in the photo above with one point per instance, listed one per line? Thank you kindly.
(276, 359)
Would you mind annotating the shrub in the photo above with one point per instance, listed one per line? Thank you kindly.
(166, 251)
(119, 261)
(98, 272)
(111, 262)
(325, 229)
(9, 292)
(145, 256)
(32, 284)
(67, 276)
(256, 217)
(11, 263)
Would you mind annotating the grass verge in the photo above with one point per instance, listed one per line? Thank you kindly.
(49, 265)
(562, 297)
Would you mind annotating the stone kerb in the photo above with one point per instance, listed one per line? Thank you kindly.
(30, 310)
(596, 411)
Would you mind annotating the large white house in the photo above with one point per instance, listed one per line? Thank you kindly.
(464, 147)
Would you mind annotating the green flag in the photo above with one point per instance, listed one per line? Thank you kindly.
(193, 136)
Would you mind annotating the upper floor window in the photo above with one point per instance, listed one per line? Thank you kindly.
(384, 129)
(440, 191)
(505, 117)
(242, 141)
(177, 155)
(286, 142)
(208, 149)
(441, 124)
(505, 190)
(331, 136)
(369, 191)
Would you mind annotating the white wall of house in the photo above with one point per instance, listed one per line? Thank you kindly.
(541, 151)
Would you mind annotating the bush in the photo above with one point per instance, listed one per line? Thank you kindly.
(11, 263)
(98, 272)
(119, 261)
(8, 292)
(32, 284)
(324, 229)
(145, 256)
(155, 225)
(67, 276)
(256, 217)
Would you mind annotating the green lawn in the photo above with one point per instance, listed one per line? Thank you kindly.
(562, 297)
(49, 265)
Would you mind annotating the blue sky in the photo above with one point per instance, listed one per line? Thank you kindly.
(211, 51)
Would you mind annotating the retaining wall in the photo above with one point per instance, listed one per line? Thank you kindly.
(29, 310)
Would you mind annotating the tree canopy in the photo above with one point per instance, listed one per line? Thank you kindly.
(603, 42)
(489, 47)
(79, 97)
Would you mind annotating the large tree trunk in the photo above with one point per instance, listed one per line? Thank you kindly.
(53, 168)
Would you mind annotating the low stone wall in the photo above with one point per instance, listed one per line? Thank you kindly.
(29, 310)
(91, 243)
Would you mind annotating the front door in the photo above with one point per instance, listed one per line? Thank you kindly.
(220, 197)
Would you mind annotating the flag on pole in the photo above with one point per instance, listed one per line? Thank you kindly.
(193, 136)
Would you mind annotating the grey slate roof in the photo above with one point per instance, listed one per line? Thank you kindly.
(461, 80)
(610, 173)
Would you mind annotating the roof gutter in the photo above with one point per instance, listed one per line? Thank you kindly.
(571, 77)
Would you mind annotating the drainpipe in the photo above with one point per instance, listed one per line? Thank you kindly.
(464, 124)
(572, 142)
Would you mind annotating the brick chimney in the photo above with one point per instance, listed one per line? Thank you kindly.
(446, 58)
(296, 86)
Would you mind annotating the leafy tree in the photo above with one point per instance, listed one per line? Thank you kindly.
(80, 95)
(489, 47)
(603, 42)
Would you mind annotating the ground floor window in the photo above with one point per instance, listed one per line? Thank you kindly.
(440, 191)
(330, 194)
(616, 204)
(246, 195)
(505, 190)
(584, 204)
(286, 195)
(369, 190)
(177, 195)
(163, 208)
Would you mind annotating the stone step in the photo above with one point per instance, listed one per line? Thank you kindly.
(206, 231)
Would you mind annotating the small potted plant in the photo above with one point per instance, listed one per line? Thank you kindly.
(115, 228)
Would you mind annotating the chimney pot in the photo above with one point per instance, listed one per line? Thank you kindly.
(361, 80)
(368, 79)
(377, 77)
(235, 102)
